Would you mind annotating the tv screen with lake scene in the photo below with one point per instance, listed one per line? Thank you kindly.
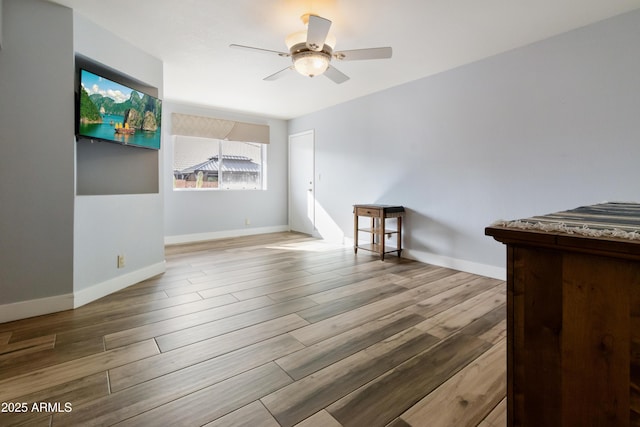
(113, 112)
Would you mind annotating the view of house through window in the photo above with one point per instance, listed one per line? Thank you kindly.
(203, 163)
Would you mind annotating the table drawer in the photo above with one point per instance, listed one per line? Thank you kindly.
(369, 212)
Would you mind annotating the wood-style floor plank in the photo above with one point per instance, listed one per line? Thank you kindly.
(251, 415)
(368, 284)
(31, 419)
(282, 286)
(170, 361)
(33, 345)
(332, 308)
(497, 417)
(75, 392)
(318, 287)
(430, 274)
(462, 288)
(303, 398)
(220, 286)
(320, 355)
(61, 353)
(74, 369)
(215, 401)
(169, 314)
(466, 398)
(324, 329)
(455, 318)
(182, 320)
(389, 395)
(319, 419)
(207, 330)
(268, 330)
(160, 391)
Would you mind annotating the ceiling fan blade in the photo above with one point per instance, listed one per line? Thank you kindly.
(276, 76)
(336, 75)
(260, 50)
(317, 32)
(358, 54)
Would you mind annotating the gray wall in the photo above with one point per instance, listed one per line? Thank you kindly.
(0, 24)
(37, 145)
(57, 249)
(543, 128)
(200, 215)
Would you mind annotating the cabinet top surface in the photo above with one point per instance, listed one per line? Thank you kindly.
(615, 222)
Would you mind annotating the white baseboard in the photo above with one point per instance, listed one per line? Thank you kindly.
(457, 264)
(92, 293)
(48, 305)
(486, 270)
(201, 237)
(35, 307)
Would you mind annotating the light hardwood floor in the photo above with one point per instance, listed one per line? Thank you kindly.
(270, 330)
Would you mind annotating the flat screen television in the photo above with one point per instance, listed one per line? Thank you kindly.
(110, 111)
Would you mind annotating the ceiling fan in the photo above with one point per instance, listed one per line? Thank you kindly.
(311, 51)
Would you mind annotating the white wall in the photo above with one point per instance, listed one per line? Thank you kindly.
(122, 224)
(543, 128)
(37, 161)
(203, 215)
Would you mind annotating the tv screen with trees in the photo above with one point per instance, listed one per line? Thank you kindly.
(110, 111)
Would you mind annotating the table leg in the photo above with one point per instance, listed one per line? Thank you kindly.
(355, 232)
(373, 232)
(383, 220)
(399, 236)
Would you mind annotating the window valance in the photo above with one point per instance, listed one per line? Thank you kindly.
(209, 127)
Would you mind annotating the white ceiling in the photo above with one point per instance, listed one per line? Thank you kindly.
(192, 38)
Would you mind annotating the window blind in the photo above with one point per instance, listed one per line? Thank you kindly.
(209, 127)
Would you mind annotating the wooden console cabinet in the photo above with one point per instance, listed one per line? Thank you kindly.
(573, 317)
(378, 229)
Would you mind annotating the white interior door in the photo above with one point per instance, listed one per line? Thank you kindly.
(301, 183)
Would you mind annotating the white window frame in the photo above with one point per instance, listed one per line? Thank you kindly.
(262, 186)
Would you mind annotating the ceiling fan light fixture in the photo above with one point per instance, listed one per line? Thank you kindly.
(311, 63)
(311, 51)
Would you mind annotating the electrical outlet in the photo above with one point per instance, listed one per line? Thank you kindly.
(120, 261)
(247, 221)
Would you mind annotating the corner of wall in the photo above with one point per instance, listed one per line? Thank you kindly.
(99, 290)
(35, 307)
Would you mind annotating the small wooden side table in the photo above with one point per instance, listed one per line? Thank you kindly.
(378, 230)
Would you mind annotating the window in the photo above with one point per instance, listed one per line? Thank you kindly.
(205, 163)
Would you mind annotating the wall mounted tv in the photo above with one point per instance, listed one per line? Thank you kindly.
(110, 111)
